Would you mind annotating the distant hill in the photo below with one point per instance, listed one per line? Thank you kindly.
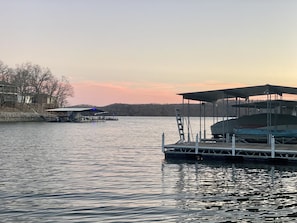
(141, 109)
(164, 109)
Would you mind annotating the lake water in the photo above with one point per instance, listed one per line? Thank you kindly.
(115, 171)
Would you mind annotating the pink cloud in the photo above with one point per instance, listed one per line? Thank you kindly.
(101, 94)
(207, 86)
(131, 93)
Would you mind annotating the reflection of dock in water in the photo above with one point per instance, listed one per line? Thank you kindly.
(226, 192)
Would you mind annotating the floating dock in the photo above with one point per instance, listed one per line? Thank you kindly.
(231, 152)
(263, 127)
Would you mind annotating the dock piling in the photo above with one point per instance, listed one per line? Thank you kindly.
(196, 145)
(272, 147)
(233, 145)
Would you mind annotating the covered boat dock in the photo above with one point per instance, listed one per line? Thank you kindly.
(274, 138)
(77, 114)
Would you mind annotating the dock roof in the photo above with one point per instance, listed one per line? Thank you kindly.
(75, 109)
(242, 92)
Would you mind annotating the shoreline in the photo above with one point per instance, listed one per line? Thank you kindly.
(22, 117)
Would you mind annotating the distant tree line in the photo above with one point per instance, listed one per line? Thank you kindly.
(194, 110)
(32, 79)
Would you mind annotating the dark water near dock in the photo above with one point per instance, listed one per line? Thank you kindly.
(114, 172)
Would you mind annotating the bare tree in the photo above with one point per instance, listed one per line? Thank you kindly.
(33, 80)
(6, 73)
(64, 91)
(38, 78)
(22, 80)
(51, 88)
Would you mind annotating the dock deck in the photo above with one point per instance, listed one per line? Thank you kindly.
(235, 152)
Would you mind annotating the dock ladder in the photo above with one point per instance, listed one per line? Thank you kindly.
(180, 125)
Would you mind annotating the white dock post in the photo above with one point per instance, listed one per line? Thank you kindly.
(272, 147)
(196, 145)
(163, 142)
(233, 145)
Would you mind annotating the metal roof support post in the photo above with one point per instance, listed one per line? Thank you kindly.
(189, 137)
(227, 137)
(227, 132)
(200, 120)
(267, 118)
(236, 109)
(223, 117)
(183, 116)
(217, 112)
(163, 142)
(268, 121)
(183, 109)
(204, 121)
(213, 112)
(239, 109)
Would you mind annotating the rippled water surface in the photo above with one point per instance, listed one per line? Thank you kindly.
(114, 172)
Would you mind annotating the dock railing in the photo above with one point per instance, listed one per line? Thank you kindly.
(197, 147)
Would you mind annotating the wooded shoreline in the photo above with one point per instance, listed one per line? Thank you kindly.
(195, 110)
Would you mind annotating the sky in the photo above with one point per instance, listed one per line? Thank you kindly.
(148, 51)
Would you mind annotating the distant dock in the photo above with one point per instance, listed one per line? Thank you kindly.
(80, 114)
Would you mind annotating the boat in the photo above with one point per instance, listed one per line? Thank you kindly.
(280, 116)
(258, 123)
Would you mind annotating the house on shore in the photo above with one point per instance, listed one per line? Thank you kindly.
(8, 94)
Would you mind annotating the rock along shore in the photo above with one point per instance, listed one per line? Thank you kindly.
(22, 117)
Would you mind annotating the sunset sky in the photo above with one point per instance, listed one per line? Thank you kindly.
(147, 51)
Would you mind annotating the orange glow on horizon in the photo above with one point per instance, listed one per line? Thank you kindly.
(100, 94)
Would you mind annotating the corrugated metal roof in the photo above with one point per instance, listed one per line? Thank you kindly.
(243, 92)
(74, 109)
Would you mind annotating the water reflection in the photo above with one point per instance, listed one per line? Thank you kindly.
(109, 172)
(221, 192)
